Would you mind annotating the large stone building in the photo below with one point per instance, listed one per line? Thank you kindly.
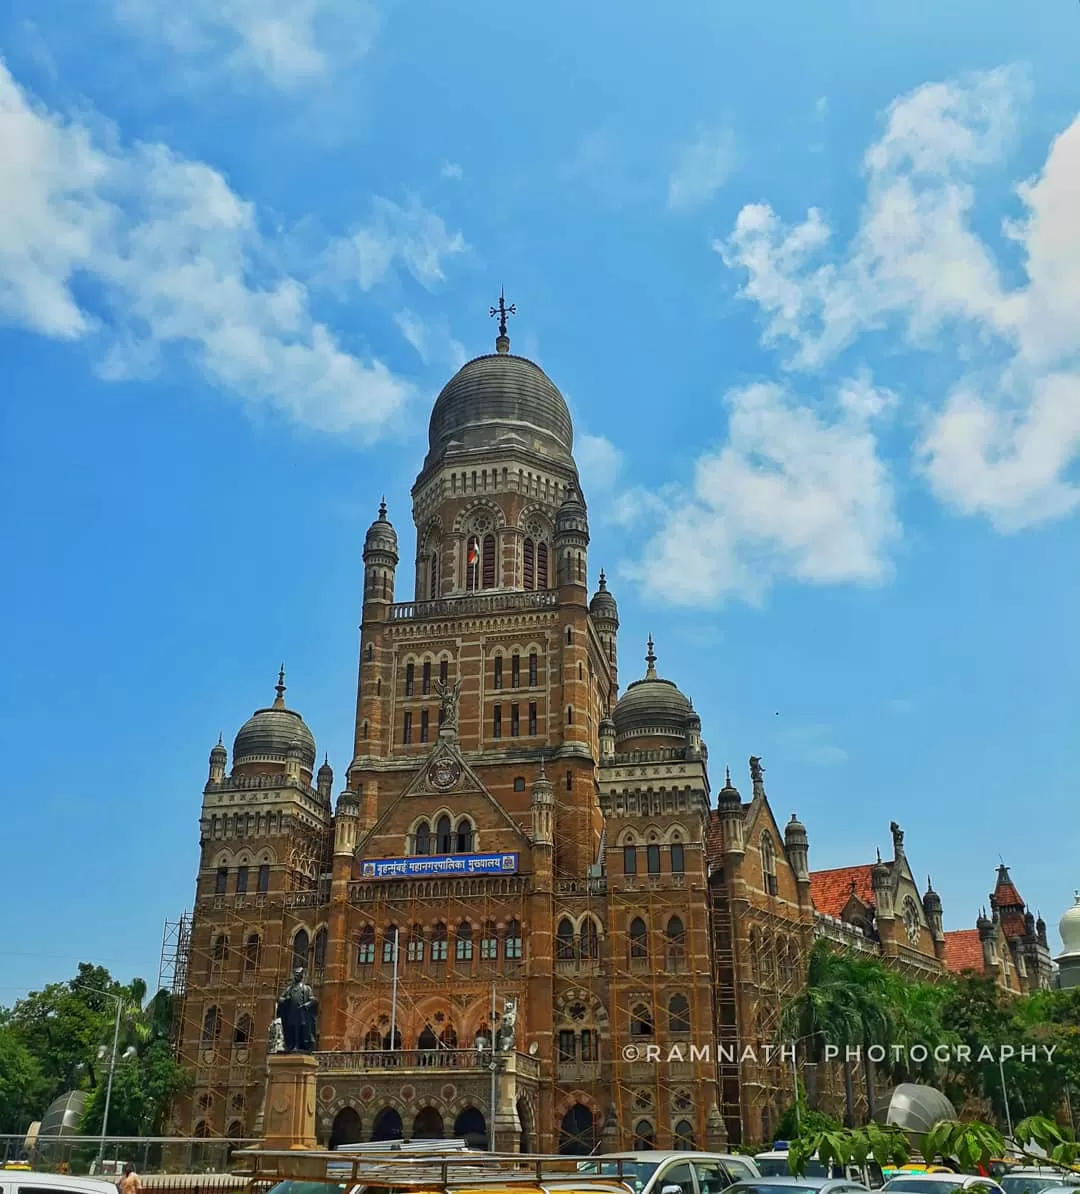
(525, 910)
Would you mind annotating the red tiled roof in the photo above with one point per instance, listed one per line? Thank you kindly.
(1006, 894)
(714, 839)
(963, 951)
(831, 890)
(1012, 924)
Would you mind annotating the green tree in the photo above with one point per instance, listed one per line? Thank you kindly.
(22, 1085)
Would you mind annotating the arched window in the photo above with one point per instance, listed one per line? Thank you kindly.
(564, 941)
(202, 1130)
(641, 1021)
(464, 948)
(678, 858)
(211, 1028)
(438, 943)
(251, 953)
(448, 1037)
(472, 564)
(629, 860)
(590, 940)
(390, 945)
(445, 834)
(217, 958)
(301, 946)
(427, 1040)
(464, 843)
(433, 576)
(768, 864)
(639, 938)
(512, 945)
(675, 939)
(652, 859)
(365, 947)
(489, 561)
(684, 1137)
(372, 1040)
(644, 1137)
(541, 566)
(423, 838)
(415, 952)
(320, 951)
(678, 1014)
(519, 783)
(242, 1031)
(489, 943)
(529, 578)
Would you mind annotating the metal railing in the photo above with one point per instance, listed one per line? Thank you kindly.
(474, 603)
(164, 1163)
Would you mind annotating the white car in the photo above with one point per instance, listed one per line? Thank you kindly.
(24, 1181)
(1035, 1181)
(673, 1172)
(941, 1183)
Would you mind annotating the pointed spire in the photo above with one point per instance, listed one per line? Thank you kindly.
(279, 702)
(929, 883)
(603, 581)
(879, 854)
(650, 661)
(727, 777)
(502, 341)
(382, 508)
(220, 739)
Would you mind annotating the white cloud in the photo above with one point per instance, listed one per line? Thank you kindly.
(410, 234)
(599, 462)
(453, 171)
(1004, 439)
(793, 493)
(289, 43)
(812, 744)
(432, 340)
(702, 169)
(174, 258)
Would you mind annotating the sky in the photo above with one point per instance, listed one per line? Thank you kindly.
(807, 274)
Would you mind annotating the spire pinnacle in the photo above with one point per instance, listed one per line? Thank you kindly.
(727, 777)
(879, 854)
(279, 702)
(382, 508)
(220, 739)
(650, 660)
(502, 342)
(603, 581)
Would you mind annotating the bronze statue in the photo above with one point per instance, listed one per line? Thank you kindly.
(297, 1010)
(448, 703)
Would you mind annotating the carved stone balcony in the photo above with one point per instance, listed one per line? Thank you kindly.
(472, 604)
(421, 1061)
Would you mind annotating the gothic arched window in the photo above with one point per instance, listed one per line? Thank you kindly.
(768, 864)
(416, 944)
(472, 564)
(641, 1021)
(489, 561)
(639, 938)
(529, 577)
(301, 946)
(242, 1032)
(433, 576)
(320, 951)
(445, 834)
(423, 838)
(564, 941)
(438, 943)
(365, 948)
(541, 566)
(678, 1014)
(251, 954)
(464, 836)
(464, 949)
(644, 1136)
(512, 947)
(211, 1026)
(590, 940)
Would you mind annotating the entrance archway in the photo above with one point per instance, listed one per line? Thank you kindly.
(346, 1129)
(471, 1127)
(387, 1125)
(428, 1125)
(577, 1133)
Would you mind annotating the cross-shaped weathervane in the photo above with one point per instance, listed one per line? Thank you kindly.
(502, 310)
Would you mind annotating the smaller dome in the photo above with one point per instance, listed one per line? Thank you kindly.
(602, 606)
(326, 771)
(1069, 928)
(879, 874)
(795, 832)
(219, 754)
(381, 536)
(271, 735)
(729, 794)
(652, 704)
(931, 900)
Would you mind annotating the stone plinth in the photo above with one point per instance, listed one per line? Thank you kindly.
(289, 1120)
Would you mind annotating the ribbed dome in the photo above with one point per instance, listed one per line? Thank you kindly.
(1069, 928)
(603, 603)
(381, 536)
(271, 733)
(497, 396)
(652, 704)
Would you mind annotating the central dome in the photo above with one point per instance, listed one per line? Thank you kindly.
(652, 707)
(500, 397)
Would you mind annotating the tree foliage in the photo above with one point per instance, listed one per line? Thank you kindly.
(61, 1039)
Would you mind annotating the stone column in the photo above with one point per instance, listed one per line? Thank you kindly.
(507, 1128)
(289, 1119)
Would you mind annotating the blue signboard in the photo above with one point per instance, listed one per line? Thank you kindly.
(438, 865)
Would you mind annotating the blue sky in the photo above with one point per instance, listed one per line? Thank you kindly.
(808, 274)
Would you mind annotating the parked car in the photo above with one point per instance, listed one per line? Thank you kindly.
(797, 1185)
(777, 1163)
(1029, 1180)
(21, 1181)
(659, 1172)
(940, 1183)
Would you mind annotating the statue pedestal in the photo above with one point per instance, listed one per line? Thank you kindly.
(289, 1120)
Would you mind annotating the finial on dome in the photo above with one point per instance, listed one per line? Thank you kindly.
(279, 702)
(650, 660)
(382, 509)
(879, 854)
(220, 739)
(502, 341)
(603, 581)
(727, 777)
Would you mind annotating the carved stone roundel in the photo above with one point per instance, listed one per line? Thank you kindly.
(444, 773)
(481, 525)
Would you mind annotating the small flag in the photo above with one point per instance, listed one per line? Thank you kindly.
(474, 553)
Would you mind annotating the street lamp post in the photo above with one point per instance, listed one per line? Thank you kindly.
(112, 1064)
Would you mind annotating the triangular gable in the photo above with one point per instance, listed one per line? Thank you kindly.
(446, 773)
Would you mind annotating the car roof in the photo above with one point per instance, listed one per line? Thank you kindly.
(660, 1154)
(964, 1178)
(818, 1183)
(59, 1181)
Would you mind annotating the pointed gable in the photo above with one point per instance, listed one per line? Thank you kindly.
(832, 890)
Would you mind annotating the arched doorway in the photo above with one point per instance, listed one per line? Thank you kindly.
(428, 1125)
(577, 1134)
(524, 1114)
(387, 1125)
(471, 1127)
(346, 1129)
